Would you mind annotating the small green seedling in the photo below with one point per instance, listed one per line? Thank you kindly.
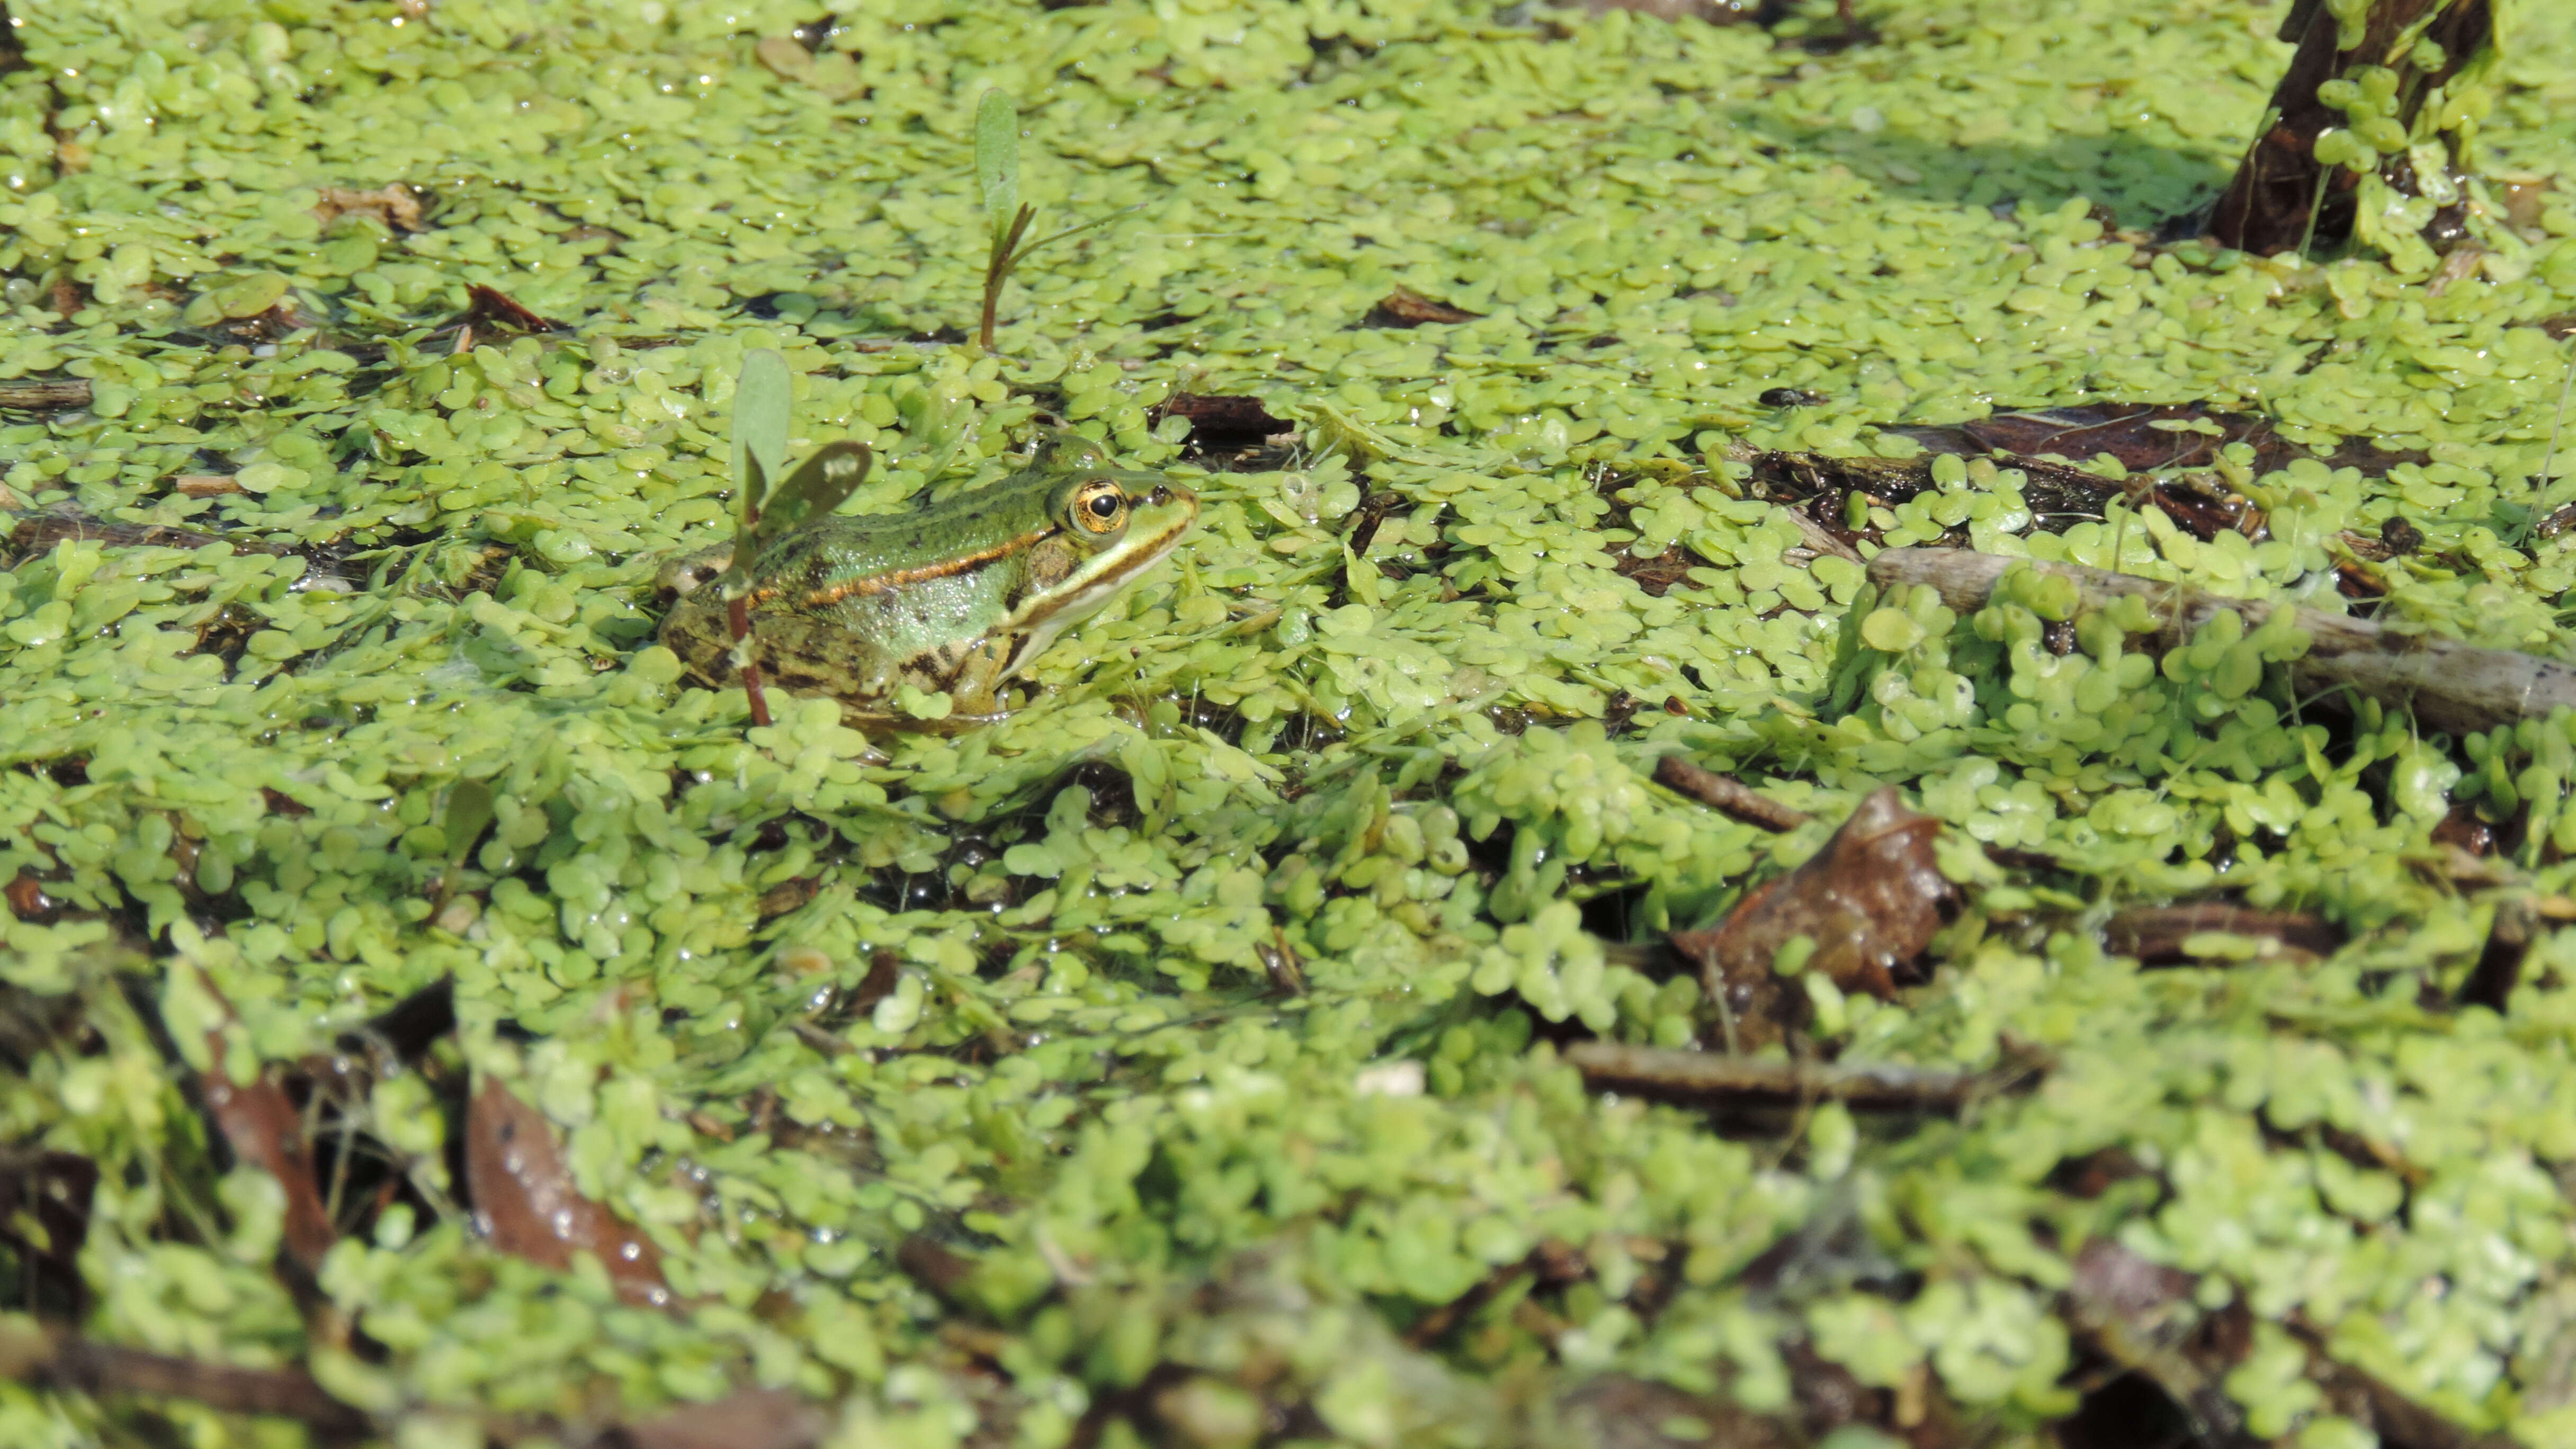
(469, 813)
(997, 171)
(763, 410)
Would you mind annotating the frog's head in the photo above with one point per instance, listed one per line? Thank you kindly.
(1108, 526)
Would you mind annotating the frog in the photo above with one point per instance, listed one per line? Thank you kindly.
(953, 598)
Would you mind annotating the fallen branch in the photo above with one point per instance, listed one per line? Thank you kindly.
(2156, 934)
(2450, 686)
(1729, 1080)
(72, 1364)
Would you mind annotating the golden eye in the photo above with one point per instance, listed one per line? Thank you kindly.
(1100, 508)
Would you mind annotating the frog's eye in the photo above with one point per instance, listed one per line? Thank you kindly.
(1099, 507)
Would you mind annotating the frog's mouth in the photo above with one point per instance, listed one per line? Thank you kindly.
(1154, 529)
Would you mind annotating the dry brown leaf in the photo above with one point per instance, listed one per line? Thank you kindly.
(1223, 421)
(265, 1131)
(525, 1202)
(1405, 307)
(394, 205)
(1870, 900)
(784, 56)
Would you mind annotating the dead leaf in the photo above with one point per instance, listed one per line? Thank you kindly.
(264, 1130)
(1218, 421)
(526, 1205)
(2456, 267)
(1405, 307)
(785, 57)
(27, 898)
(204, 485)
(1870, 900)
(489, 307)
(394, 204)
(491, 304)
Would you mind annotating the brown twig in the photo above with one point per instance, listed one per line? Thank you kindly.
(1727, 794)
(1749, 1081)
(2155, 934)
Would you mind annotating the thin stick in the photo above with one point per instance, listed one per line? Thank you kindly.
(79, 1365)
(1756, 1081)
(1728, 794)
(2316, 203)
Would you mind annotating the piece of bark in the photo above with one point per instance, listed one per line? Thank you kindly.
(2499, 969)
(1870, 900)
(525, 1203)
(1727, 795)
(2281, 198)
(2452, 687)
(1717, 1079)
(41, 393)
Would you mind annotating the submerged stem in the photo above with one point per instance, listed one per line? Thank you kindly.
(738, 615)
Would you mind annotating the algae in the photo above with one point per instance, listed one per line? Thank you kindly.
(1180, 1061)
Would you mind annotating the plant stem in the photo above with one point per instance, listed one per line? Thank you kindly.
(738, 614)
(1005, 255)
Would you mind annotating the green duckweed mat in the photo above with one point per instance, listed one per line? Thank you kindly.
(967, 1092)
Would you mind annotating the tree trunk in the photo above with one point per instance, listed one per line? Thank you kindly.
(2395, 101)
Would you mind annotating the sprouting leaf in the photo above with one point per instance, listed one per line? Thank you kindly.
(818, 486)
(763, 406)
(997, 161)
(469, 810)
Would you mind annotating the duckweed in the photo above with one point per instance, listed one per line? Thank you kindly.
(1178, 1058)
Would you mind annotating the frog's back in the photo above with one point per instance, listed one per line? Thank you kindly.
(890, 551)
